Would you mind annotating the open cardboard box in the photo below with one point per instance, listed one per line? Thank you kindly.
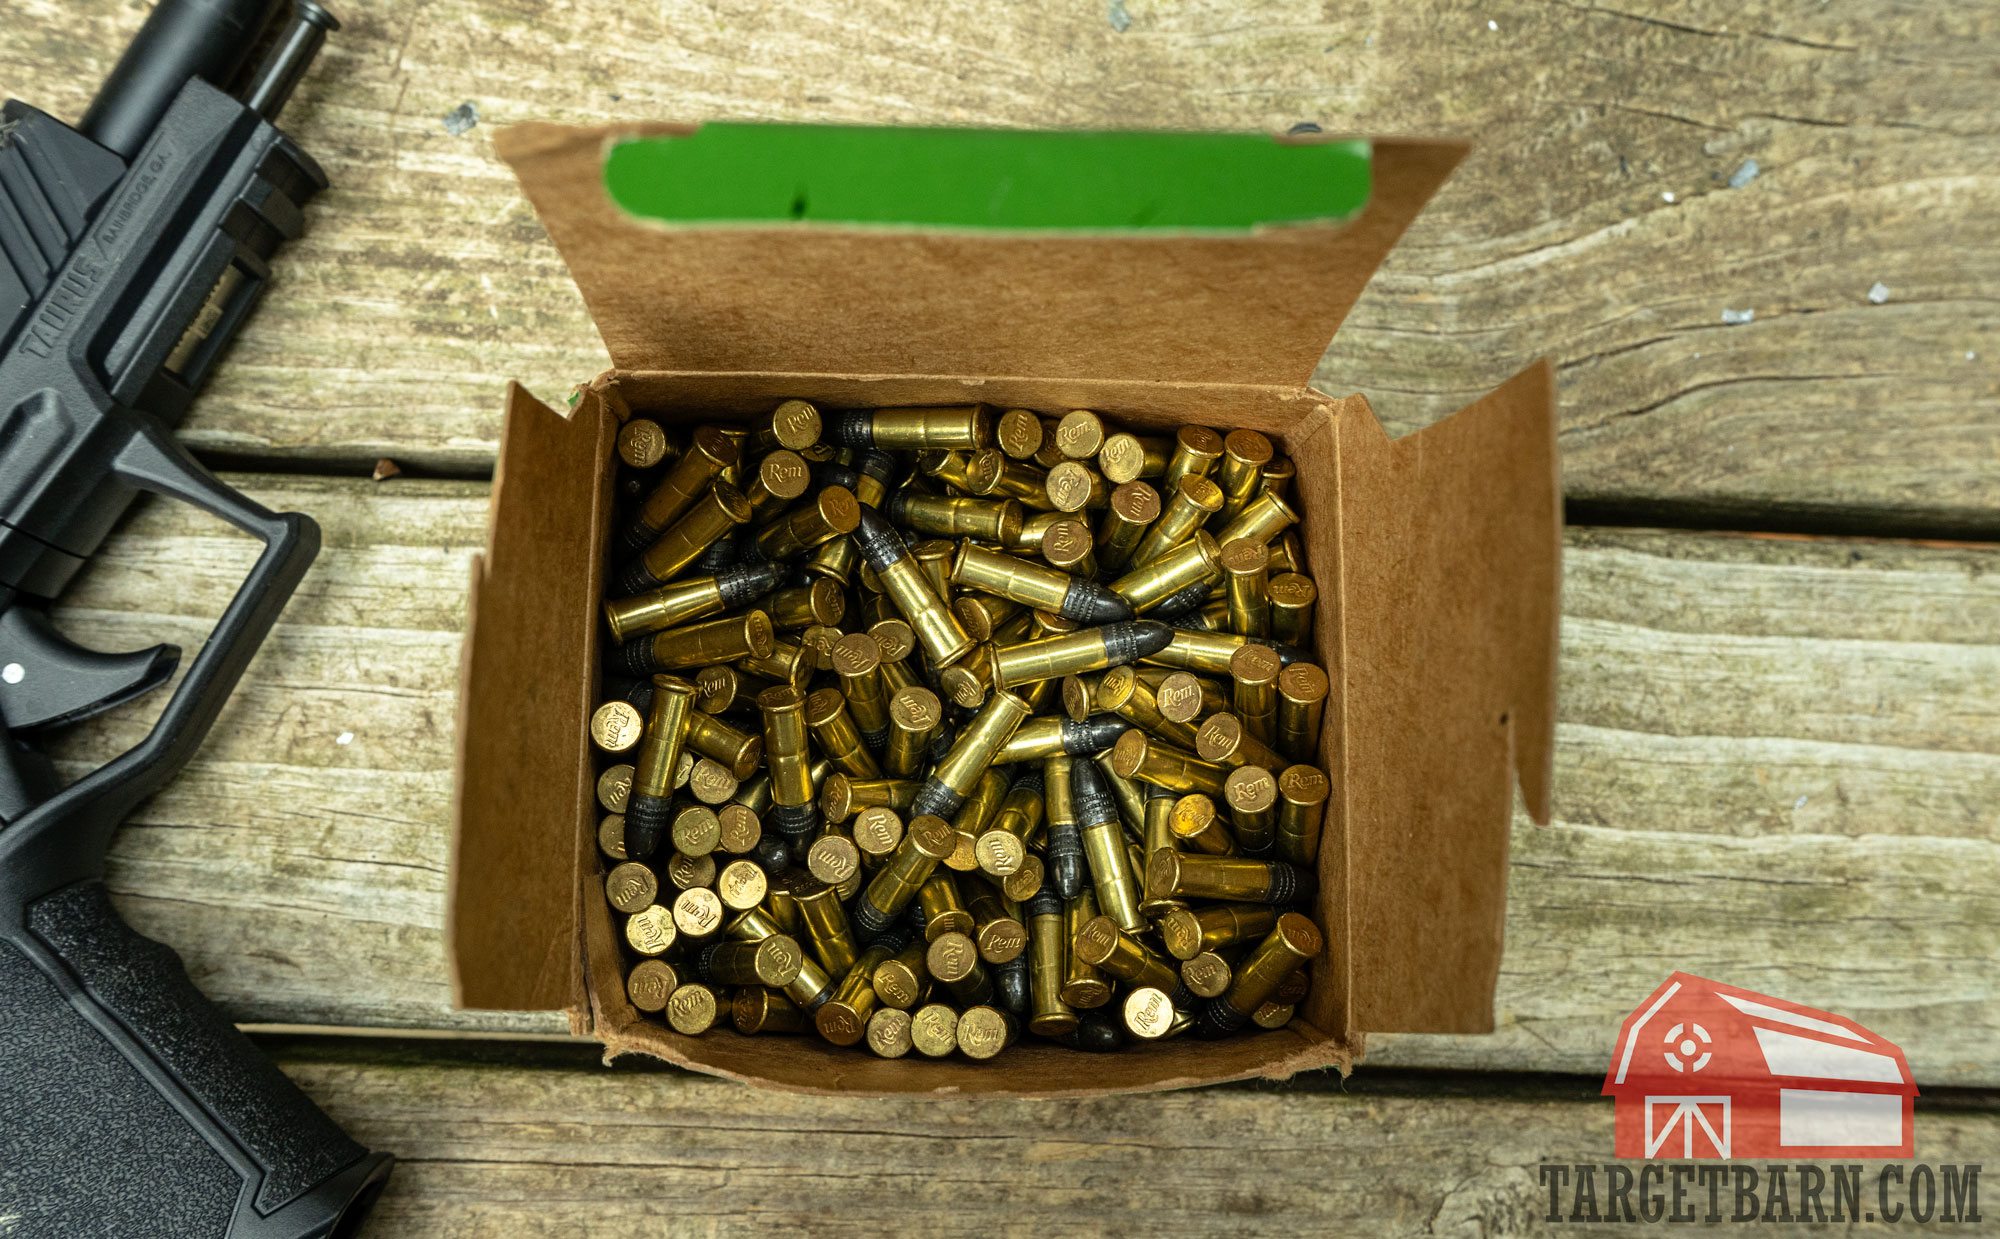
(1437, 558)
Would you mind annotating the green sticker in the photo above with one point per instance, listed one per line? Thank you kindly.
(1014, 180)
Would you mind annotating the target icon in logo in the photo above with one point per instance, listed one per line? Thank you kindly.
(1682, 1041)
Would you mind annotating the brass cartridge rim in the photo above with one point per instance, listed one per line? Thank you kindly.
(741, 885)
(631, 886)
(878, 830)
(964, 687)
(828, 602)
(758, 635)
(614, 787)
(982, 1032)
(1198, 441)
(856, 654)
(711, 782)
(650, 930)
(1179, 697)
(611, 836)
(1019, 433)
(894, 639)
(915, 709)
(1067, 544)
(1000, 853)
(696, 830)
(1191, 815)
(1249, 448)
(1291, 589)
(1256, 665)
(1130, 752)
(697, 912)
(686, 872)
(1243, 557)
(1180, 933)
(641, 443)
(1025, 882)
(1297, 935)
(1080, 434)
(1303, 684)
(718, 448)
(823, 705)
(1001, 941)
(1068, 488)
(931, 836)
(650, 983)
(1250, 789)
(951, 956)
(740, 828)
(839, 1023)
(1273, 1015)
(796, 424)
(1304, 786)
(785, 474)
(1149, 1013)
(1122, 457)
(1206, 975)
(889, 1033)
(616, 726)
(778, 960)
(692, 1009)
(934, 1030)
(1135, 503)
(833, 859)
(1097, 940)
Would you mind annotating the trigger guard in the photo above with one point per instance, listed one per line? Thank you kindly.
(47, 680)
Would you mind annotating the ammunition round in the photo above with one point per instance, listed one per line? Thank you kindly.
(741, 885)
(1149, 1014)
(934, 1030)
(889, 1033)
(697, 912)
(692, 1009)
(613, 786)
(650, 930)
(642, 444)
(631, 886)
(616, 726)
(983, 1032)
(650, 983)
(611, 836)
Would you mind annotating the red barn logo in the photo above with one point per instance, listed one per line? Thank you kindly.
(1709, 1070)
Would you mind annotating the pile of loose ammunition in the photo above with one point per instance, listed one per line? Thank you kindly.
(893, 757)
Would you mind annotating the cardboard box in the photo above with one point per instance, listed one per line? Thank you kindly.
(1437, 558)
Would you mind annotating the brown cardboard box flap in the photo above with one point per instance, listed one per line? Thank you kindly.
(1451, 543)
(1251, 309)
(525, 685)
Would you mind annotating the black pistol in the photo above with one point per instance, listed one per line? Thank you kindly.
(133, 247)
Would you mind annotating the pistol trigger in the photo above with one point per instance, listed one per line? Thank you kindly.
(47, 680)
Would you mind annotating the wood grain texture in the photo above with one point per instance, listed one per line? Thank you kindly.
(1595, 224)
(1778, 766)
(544, 1145)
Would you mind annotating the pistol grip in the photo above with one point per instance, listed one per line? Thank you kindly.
(134, 1107)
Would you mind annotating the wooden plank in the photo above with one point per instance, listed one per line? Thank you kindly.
(544, 1145)
(1779, 766)
(1595, 224)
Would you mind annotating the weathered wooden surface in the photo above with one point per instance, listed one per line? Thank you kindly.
(1779, 766)
(1595, 224)
(504, 1144)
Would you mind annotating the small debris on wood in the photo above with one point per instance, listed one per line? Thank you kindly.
(461, 118)
(1121, 21)
(1667, 196)
(1744, 175)
(386, 469)
(1879, 293)
(1735, 317)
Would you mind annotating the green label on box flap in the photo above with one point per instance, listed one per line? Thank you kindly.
(742, 173)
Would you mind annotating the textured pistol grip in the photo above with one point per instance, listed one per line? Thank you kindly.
(129, 1105)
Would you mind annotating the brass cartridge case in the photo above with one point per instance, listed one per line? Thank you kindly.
(1079, 695)
(774, 961)
(648, 810)
(1067, 547)
(1207, 975)
(697, 912)
(953, 467)
(1019, 433)
(696, 830)
(1143, 759)
(1292, 600)
(943, 907)
(739, 825)
(1129, 514)
(1026, 882)
(1187, 507)
(1150, 1015)
(831, 512)
(839, 739)
(971, 754)
(954, 963)
(1080, 434)
(969, 680)
(997, 932)
(693, 1009)
(828, 929)
(1156, 833)
(1001, 847)
(1233, 879)
(1196, 828)
(756, 1009)
(785, 747)
(878, 831)
(1048, 965)
(1104, 847)
(1273, 1015)
(1129, 796)
(788, 662)
(722, 509)
(1302, 690)
(1084, 986)
(611, 836)
(889, 1033)
(1124, 693)
(1103, 945)
(1287, 553)
(1240, 473)
(1030, 584)
(1261, 520)
(934, 557)
(992, 474)
(989, 520)
(1192, 563)
(1196, 449)
(709, 453)
(650, 930)
(1128, 457)
(1073, 486)
(614, 787)
(1254, 671)
(843, 1018)
(741, 885)
(983, 615)
(914, 716)
(1244, 579)
(812, 986)
(820, 603)
(934, 1030)
(1277, 477)
(1088, 649)
(971, 820)
(984, 1031)
(794, 424)
(1205, 652)
(721, 688)
(1189, 933)
(1302, 793)
(930, 619)
(755, 796)
(686, 872)
(1225, 741)
(1063, 853)
(1183, 696)
(915, 429)
(926, 841)
(684, 601)
(650, 983)
(710, 782)
(856, 657)
(739, 752)
(836, 861)
(699, 645)
(1034, 529)
(1290, 945)
(1252, 795)
(841, 797)
(778, 479)
(642, 445)
(900, 980)
(616, 726)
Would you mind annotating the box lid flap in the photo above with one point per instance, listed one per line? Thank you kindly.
(1255, 308)
(523, 717)
(1451, 544)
